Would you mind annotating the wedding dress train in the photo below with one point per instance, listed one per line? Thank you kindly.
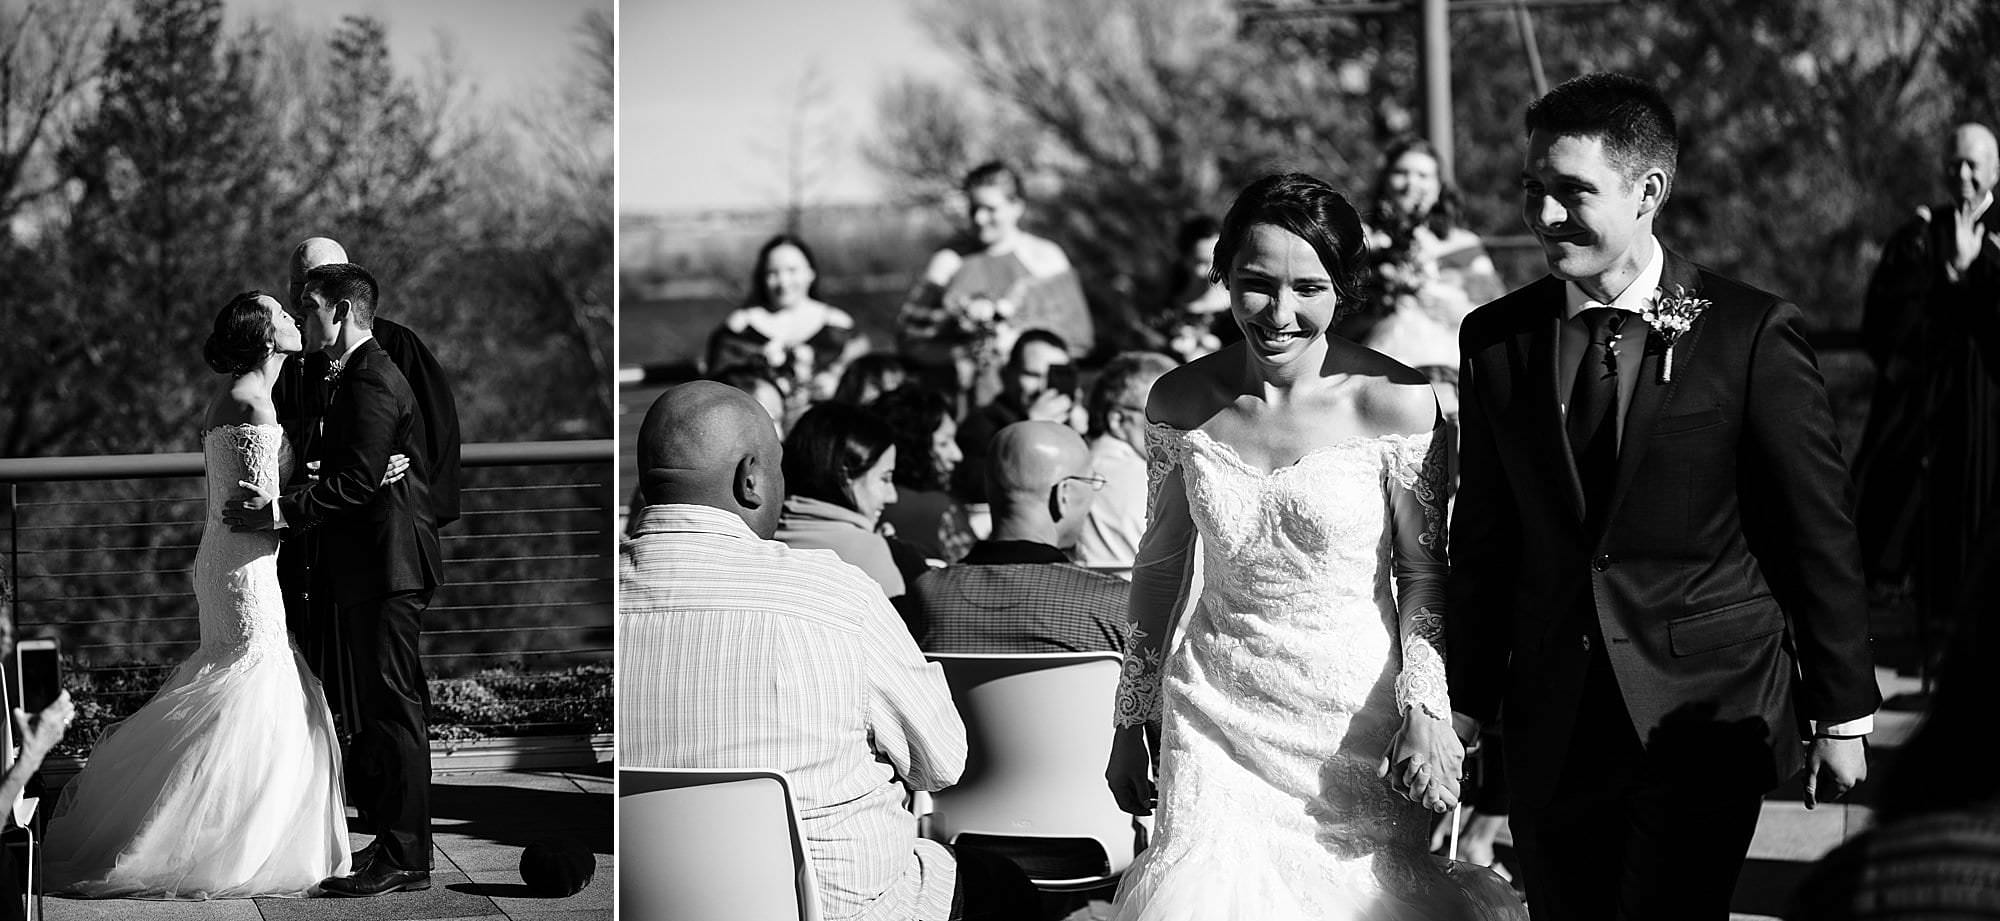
(225, 784)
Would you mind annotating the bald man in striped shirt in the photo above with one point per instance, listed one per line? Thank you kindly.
(737, 651)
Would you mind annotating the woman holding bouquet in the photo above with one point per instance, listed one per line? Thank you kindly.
(1429, 270)
(985, 287)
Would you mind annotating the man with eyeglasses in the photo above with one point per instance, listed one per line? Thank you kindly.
(1016, 591)
(1117, 404)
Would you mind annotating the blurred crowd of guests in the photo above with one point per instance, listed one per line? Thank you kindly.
(888, 441)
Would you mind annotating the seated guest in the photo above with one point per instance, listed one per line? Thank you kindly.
(1117, 407)
(785, 328)
(869, 377)
(37, 735)
(737, 651)
(839, 463)
(1016, 592)
(1038, 382)
(761, 386)
(925, 516)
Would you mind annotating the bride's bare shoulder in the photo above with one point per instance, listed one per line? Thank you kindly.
(242, 404)
(1191, 394)
(1394, 398)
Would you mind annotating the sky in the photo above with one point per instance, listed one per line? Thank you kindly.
(706, 87)
(511, 49)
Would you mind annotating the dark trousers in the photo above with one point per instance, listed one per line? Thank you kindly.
(1627, 836)
(990, 887)
(389, 766)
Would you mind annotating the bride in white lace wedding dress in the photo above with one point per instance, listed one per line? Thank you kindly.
(225, 784)
(1308, 468)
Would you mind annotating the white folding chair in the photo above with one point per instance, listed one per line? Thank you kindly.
(1038, 728)
(697, 844)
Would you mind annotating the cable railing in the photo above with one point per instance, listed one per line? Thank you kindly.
(99, 553)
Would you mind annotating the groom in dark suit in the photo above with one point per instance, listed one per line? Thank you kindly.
(1656, 582)
(379, 542)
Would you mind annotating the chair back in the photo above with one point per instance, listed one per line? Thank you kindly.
(712, 845)
(1038, 732)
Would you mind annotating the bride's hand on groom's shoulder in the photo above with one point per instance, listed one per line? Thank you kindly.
(1425, 761)
(257, 513)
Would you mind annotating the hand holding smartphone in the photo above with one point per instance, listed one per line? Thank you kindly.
(38, 673)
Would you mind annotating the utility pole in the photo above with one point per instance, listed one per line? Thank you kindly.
(1435, 29)
(1433, 45)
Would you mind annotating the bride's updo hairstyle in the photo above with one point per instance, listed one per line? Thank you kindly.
(242, 336)
(1310, 209)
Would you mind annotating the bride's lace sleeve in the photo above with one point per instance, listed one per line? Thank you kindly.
(1419, 484)
(1161, 576)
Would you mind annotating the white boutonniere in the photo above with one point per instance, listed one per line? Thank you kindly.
(1671, 316)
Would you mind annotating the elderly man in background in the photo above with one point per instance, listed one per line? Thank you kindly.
(736, 650)
(1928, 472)
(1117, 405)
(1016, 591)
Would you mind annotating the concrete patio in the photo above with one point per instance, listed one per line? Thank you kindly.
(481, 822)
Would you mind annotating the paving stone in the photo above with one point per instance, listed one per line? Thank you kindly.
(55, 909)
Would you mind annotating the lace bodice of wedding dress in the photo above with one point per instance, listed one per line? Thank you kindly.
(226, 784)
(235, 573)
(1319, 621)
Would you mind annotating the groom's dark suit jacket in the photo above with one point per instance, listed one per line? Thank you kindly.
(1726, 586)
(374, 540)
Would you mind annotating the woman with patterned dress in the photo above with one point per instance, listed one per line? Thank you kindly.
(226, 784)
(784, 327)
(1298, 712)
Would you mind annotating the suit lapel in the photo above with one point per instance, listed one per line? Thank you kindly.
(1536, 338)
(1649, 396)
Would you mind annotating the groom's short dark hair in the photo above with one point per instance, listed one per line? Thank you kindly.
(1626, 113)
(338, 281)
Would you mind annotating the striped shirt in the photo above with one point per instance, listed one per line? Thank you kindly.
(739, 652)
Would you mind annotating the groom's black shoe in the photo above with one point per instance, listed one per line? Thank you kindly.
(375, 879)
(364, 858)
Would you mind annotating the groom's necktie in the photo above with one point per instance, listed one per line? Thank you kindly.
(1593, 413)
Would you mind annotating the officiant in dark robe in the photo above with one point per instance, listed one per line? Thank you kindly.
(1929, 465)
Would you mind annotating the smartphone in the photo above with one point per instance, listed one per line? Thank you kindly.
(1062, 379)
(39, 670)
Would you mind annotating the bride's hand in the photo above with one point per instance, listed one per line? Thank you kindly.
(1425, 761)
(1130, 771)
(399, 464)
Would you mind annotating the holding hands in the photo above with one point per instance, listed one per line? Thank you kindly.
(1425, 761)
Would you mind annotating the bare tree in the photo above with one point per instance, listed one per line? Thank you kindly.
(45, 64)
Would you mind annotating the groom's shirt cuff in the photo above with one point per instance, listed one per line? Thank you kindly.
(1853, 727)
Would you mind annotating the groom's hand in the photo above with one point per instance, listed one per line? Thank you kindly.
(257, 513)
(1842, 762)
